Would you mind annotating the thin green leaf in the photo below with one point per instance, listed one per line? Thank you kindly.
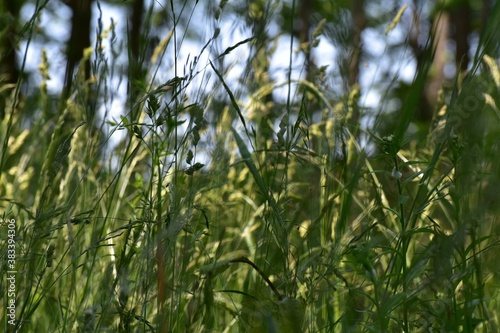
(231, 96)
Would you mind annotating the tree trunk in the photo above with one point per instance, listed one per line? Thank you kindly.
(79, 40)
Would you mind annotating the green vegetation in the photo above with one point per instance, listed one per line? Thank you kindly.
(217, 205)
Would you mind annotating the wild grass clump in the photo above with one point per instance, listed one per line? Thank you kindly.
(210, 205)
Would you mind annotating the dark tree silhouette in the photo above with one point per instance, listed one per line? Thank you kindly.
(78, 41)
(9, 72)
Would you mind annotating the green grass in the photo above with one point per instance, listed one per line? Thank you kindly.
(303, 231)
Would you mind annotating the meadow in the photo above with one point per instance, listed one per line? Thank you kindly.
(204, 207)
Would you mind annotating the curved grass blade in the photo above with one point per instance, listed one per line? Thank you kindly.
(278, 228)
